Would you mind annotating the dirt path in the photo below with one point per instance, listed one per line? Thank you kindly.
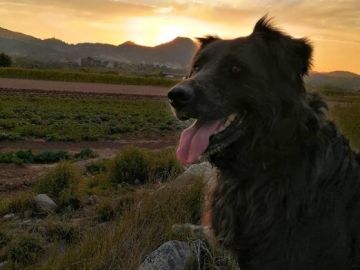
(81, 87)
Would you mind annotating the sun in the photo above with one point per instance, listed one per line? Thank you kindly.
(166, 33)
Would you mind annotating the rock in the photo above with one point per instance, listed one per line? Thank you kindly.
(172, 255)
(93, 199)
(9, 216)
(203, 169)
(45, 203)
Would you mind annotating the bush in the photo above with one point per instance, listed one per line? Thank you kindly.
(129, 166)
(61, 184)
(96, 167)
(5, 60)
(4, 239)
(25, 156)
(24, 251)
(142, 165)
(51, 157)
(17, 204)
(60, 231)
(85, 154)
(106, 211)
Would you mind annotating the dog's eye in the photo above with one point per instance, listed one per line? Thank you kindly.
(235, 69)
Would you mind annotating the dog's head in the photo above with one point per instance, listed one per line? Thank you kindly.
(253, 77)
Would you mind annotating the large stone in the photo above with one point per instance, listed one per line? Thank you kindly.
(172, 255)
(203, 169)
(45, 203)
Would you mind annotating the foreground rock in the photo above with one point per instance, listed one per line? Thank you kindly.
(203, 169)
(172, 255)
(45, 203)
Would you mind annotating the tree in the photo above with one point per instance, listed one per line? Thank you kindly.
(5, 60)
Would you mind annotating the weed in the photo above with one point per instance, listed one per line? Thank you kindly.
(24, 251)
(135, 164)
(61, 184)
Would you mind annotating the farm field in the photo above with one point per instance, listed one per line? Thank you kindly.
(56, 118)
(109, 189)
(83, 76)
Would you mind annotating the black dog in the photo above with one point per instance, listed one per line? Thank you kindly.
(288, 192)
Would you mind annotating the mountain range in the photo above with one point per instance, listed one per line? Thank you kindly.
(175, 54)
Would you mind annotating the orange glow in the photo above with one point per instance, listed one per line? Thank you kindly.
(333, 26)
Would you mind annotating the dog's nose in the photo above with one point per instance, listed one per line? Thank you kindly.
(180, 95)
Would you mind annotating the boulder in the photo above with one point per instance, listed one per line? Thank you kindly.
(172, 255)
(203, 169)
(44, 202)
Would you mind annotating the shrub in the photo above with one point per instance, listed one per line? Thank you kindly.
(60, 231)
(142, 165)
(17, 204)
(106, 211)
(128, 166)
(5, 60)
(24, 251)
(61, 184)
(25, 156)
(85, 154)
(96, 167)
(4, 239)
(51, 157)
(162, 165)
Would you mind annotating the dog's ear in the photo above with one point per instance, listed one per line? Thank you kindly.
(292, 54)
(204, 41)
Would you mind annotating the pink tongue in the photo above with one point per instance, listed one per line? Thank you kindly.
(195, 139)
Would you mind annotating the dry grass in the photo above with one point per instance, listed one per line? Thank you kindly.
(124, 243)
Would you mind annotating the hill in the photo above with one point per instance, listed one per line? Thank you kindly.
(174, 54)
(343, 80)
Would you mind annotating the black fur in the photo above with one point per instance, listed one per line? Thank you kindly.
(288, 192)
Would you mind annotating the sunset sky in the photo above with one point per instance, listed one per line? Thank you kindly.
(333, 26)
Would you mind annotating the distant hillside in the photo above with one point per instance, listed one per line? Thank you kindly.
(343, 80)
(175, 54)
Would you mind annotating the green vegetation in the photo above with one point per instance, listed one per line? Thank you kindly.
(45, 157)
(78, 76)
(347, 116)
(73, 119)
(5, 60)
(123, 219)
(24, 251)
(61, 184)
(140, 229)
(134, 164)
(17, 204)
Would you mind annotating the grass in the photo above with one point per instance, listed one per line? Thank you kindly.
(134, 164)
(347, 117)
(61, 184)
(125, 242)
(17, 204)
(78, 76)
(72, 119)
